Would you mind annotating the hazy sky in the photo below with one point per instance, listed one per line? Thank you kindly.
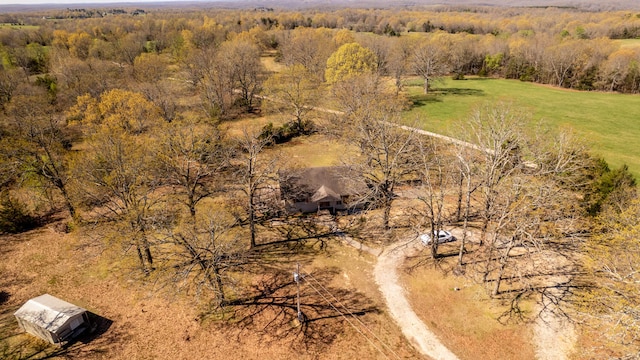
(27, 2)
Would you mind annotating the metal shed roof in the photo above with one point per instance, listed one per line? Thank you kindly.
(48, 312)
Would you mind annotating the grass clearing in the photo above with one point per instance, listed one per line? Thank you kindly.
(608, 122)
(628, 43)
(19, 26)
(314, 150)
(269, 62)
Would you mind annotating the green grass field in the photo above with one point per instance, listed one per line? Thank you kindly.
(17, 26)
(609, 122)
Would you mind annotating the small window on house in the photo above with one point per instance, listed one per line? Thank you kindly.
(324, 204)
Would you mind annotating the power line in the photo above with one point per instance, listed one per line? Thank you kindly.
(349, 321)
(352, 315)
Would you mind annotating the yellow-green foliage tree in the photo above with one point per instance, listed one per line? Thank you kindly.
(613, 259)
(118, 168)
(348, 61)
(116, 111)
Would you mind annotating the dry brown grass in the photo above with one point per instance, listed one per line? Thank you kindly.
(269, 62)
(314, 150)
(153, 325)
(465, 320)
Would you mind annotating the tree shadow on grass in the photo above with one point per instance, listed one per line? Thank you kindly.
(459, 92)
(299, 240)
(435, 95)
(424, 99)
(269, 309)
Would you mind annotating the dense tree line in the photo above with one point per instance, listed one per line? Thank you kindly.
(562, 47)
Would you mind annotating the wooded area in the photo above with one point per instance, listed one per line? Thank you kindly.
(146, 130)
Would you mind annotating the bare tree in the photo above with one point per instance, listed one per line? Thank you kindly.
(9, 81)
(257, 178)
(243, 58)
(398, 63)
(430, 59)
(498, 132)
(561, 60)
(205, 258)
(37, 143)
(295, 91)
(526, 190)
(386, 150)
(610, 299)
(207, 70)
(192, 158)
(308, 47)
(436, 176)
(468, 183)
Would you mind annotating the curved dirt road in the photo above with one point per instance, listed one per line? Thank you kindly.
(412, 327)
(554, 337)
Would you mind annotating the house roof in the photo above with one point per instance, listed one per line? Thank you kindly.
(320, 183)
(325, 193)
(48, 312)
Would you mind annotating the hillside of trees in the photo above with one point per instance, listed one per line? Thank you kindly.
(121, 122)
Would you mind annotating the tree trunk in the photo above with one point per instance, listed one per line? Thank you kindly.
(192, 205)
(252, 222)
(434, 238)
(503, 265)
(147, 252)
(466, 221)
(487, 264)
(386, 214)
(140, 257)
(67, 199)
(459, 209)
(426, 85)
(221, 296)
(60, 184)
(496, 287)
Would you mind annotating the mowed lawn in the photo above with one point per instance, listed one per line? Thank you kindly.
(609, 122)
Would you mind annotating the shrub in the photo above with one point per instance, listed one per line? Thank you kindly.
(14, 218)
(288, 131)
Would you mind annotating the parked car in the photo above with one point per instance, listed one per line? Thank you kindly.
(443, 237)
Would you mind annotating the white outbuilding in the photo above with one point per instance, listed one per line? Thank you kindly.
(52, 319)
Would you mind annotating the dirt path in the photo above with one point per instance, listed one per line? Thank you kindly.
(412, 327)
(385, 273)
(554, 336)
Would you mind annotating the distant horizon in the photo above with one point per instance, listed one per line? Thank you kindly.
(296, 4)
(91, 2)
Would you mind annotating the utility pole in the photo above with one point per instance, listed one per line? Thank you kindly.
(296, 278)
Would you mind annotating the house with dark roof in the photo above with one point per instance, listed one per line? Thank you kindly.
(334, 188)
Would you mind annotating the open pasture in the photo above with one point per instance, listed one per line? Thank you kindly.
(607, 122)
